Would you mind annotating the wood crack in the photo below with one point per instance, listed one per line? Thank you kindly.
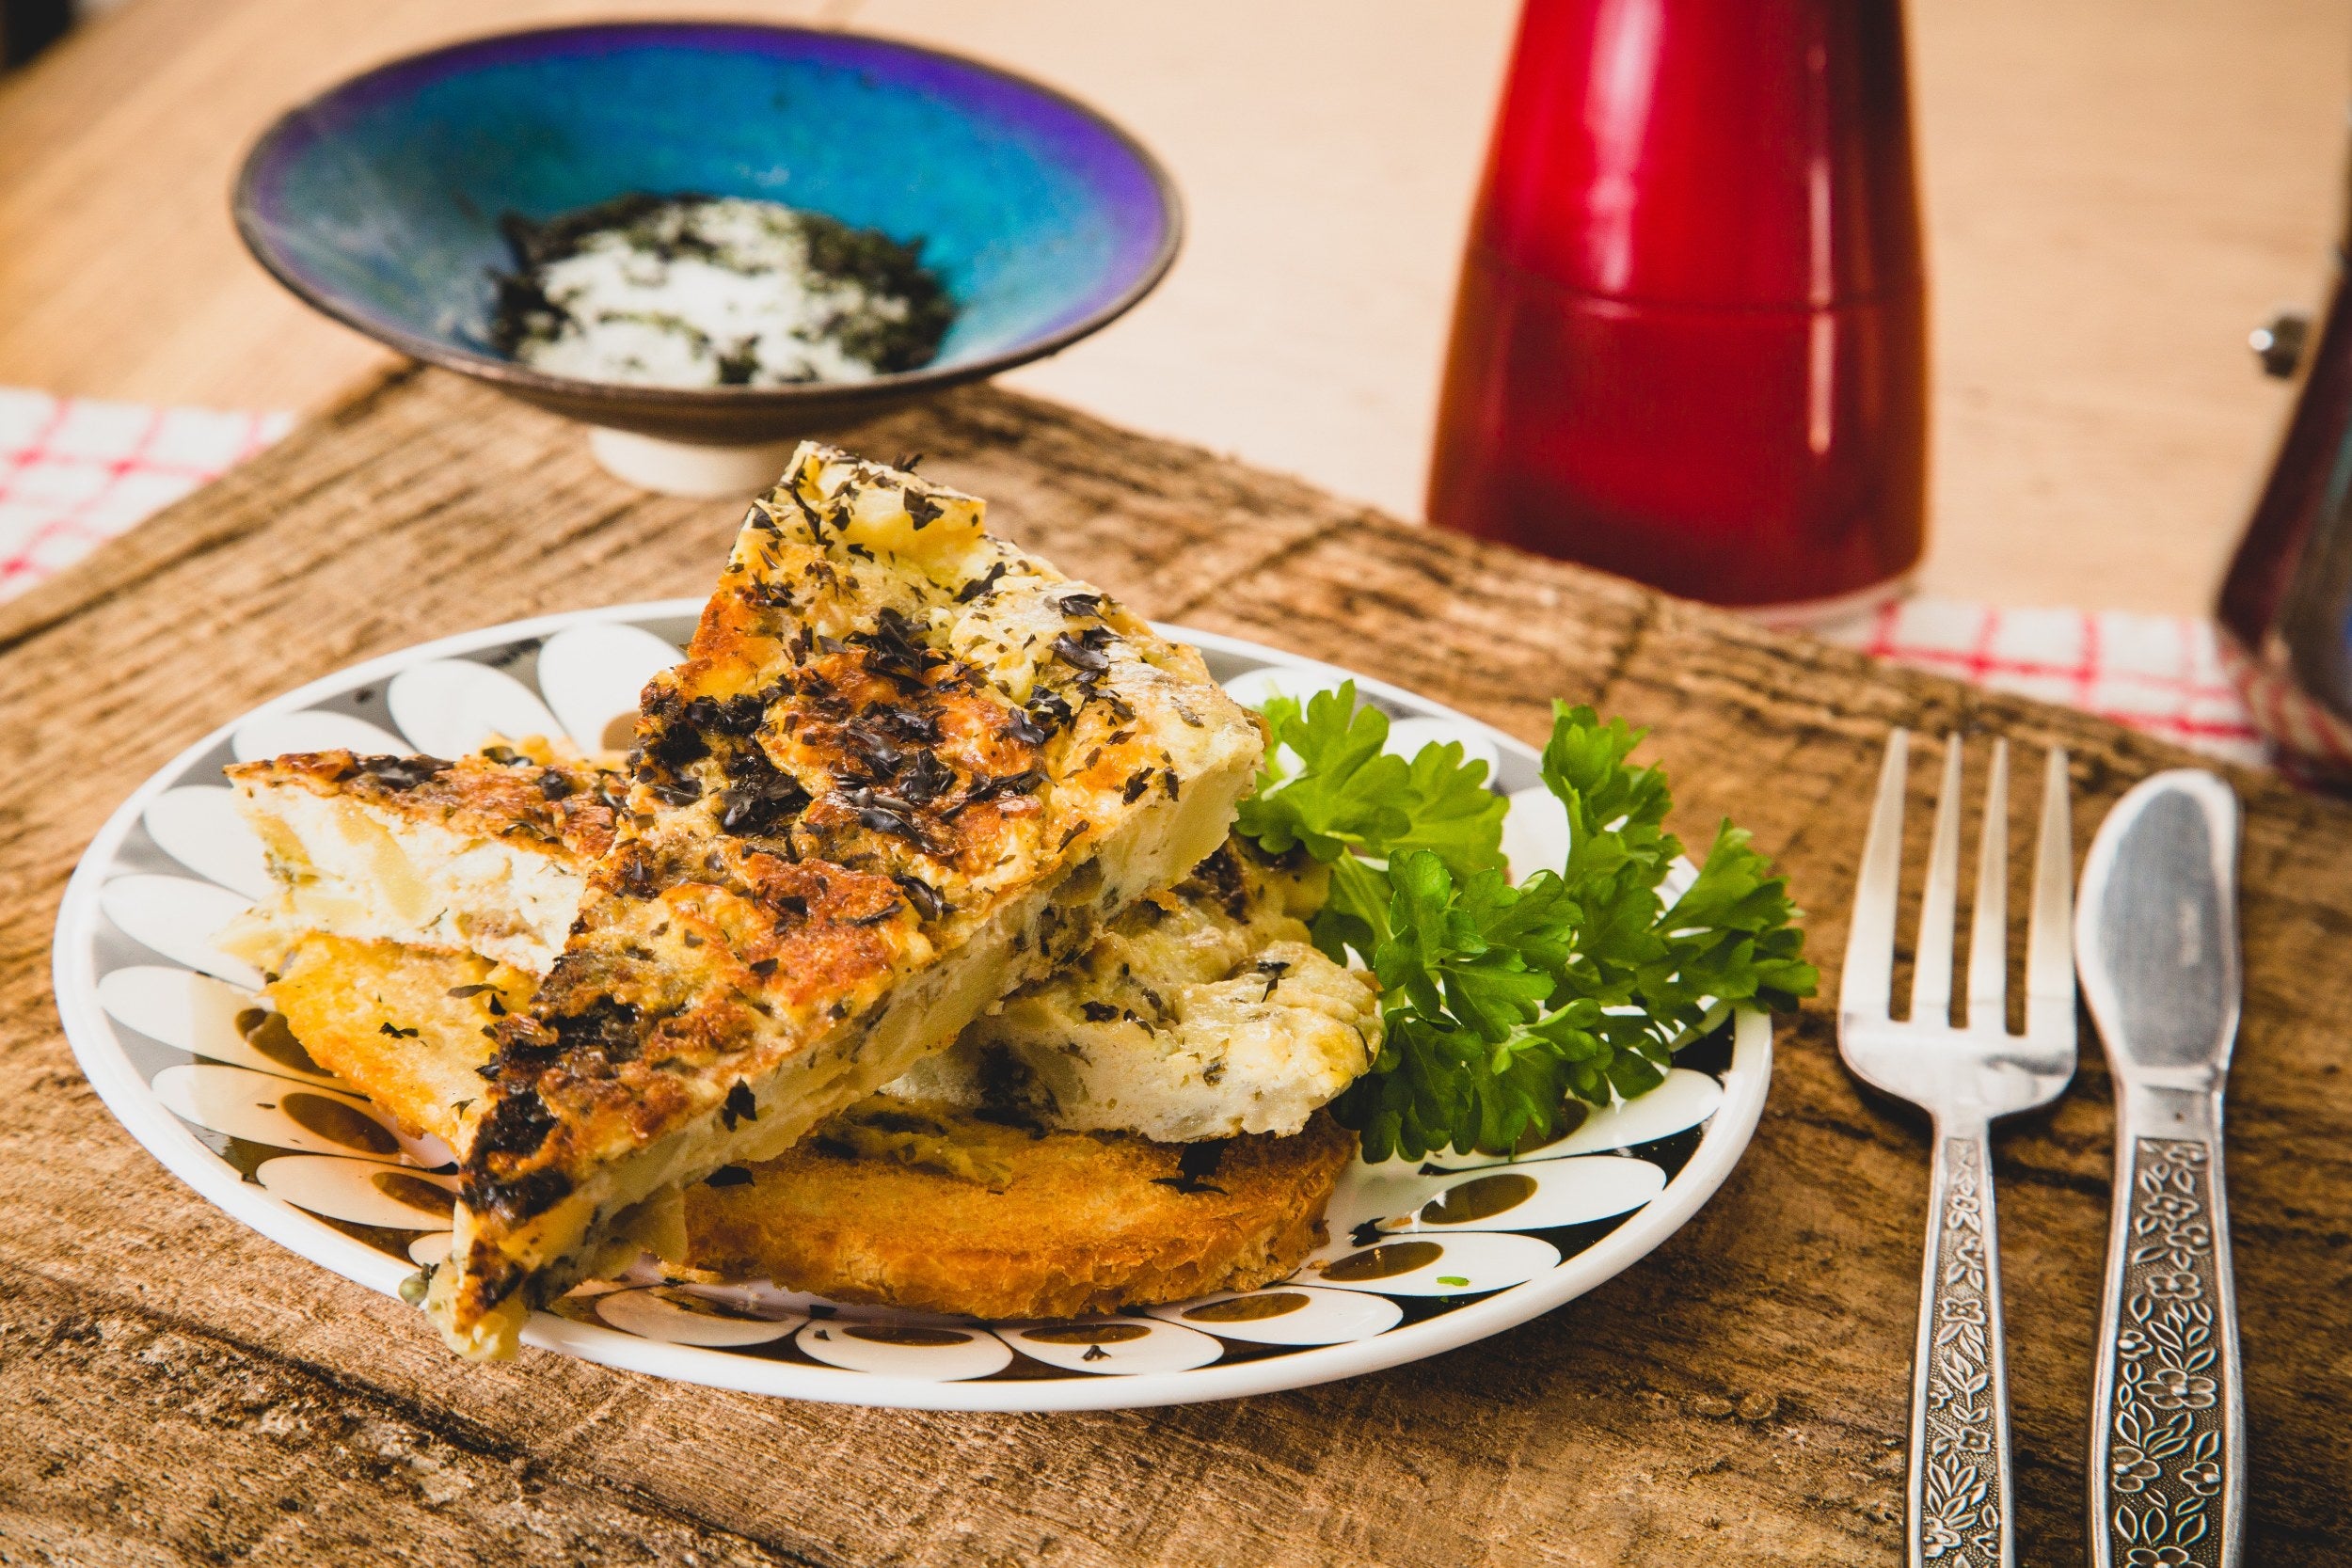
(86, 1322)
(1621, 657)
(1177, 609)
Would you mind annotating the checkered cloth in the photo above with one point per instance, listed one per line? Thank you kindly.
(75, 472)
(2161, 674)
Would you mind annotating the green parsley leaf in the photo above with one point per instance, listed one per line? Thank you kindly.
(1356, 912)
(1344, 793)
(1449, 810)
(1501, 1002)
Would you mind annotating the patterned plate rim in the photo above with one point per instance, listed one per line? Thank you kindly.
(134, 1102)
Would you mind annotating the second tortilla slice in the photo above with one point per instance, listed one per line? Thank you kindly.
(899, 1201)
(1143, 1125)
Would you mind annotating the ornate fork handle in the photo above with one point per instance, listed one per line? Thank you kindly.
(1959, 1464)
(2168, 1427)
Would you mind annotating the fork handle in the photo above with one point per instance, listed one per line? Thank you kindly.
(1960, 1504)
(2168, 1421)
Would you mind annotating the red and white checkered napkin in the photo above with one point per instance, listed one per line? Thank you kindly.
(2160, 674)
(74, 472)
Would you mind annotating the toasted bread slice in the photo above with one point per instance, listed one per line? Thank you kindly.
(904, 768)
(908, 1203)
(916, 1204)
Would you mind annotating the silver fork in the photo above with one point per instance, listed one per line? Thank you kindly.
(1962, 1076)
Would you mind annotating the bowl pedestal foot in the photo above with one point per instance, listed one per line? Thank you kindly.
(687, 467)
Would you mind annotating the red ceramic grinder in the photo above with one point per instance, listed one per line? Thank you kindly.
(1690, 346)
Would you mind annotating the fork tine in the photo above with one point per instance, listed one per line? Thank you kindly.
(1869, 979)
(1988, 939)
(2049, 953)
(1931, 976)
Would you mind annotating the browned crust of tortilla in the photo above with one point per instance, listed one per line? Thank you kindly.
(560, 809)
(381, 1017)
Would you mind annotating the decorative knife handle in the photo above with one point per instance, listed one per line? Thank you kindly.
(2167, 1424)
(1960, 1468)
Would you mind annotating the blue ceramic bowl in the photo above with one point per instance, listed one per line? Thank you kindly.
(378, 202)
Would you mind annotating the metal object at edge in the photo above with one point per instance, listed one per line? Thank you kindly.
(2280, 342)
(2157, 945)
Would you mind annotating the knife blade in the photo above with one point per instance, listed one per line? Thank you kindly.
(2156, 946)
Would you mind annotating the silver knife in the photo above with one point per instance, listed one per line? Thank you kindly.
(2155, 941)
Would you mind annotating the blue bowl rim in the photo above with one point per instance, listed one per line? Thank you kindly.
(881, 389)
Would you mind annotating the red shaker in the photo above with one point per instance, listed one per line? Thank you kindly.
(1690, 346)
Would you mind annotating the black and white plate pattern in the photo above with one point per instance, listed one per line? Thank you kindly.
(1421, 1257)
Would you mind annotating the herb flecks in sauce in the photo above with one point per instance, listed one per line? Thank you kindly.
(695, 291)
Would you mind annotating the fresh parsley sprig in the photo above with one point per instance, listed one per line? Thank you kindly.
(1327, 783)
(1501, 1002)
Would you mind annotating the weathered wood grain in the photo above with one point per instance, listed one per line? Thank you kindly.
(175, 1389)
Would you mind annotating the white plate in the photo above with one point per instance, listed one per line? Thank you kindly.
(1406, 1273)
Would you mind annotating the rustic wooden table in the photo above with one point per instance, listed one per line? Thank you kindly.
(176, 1389)
(2115, 191)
